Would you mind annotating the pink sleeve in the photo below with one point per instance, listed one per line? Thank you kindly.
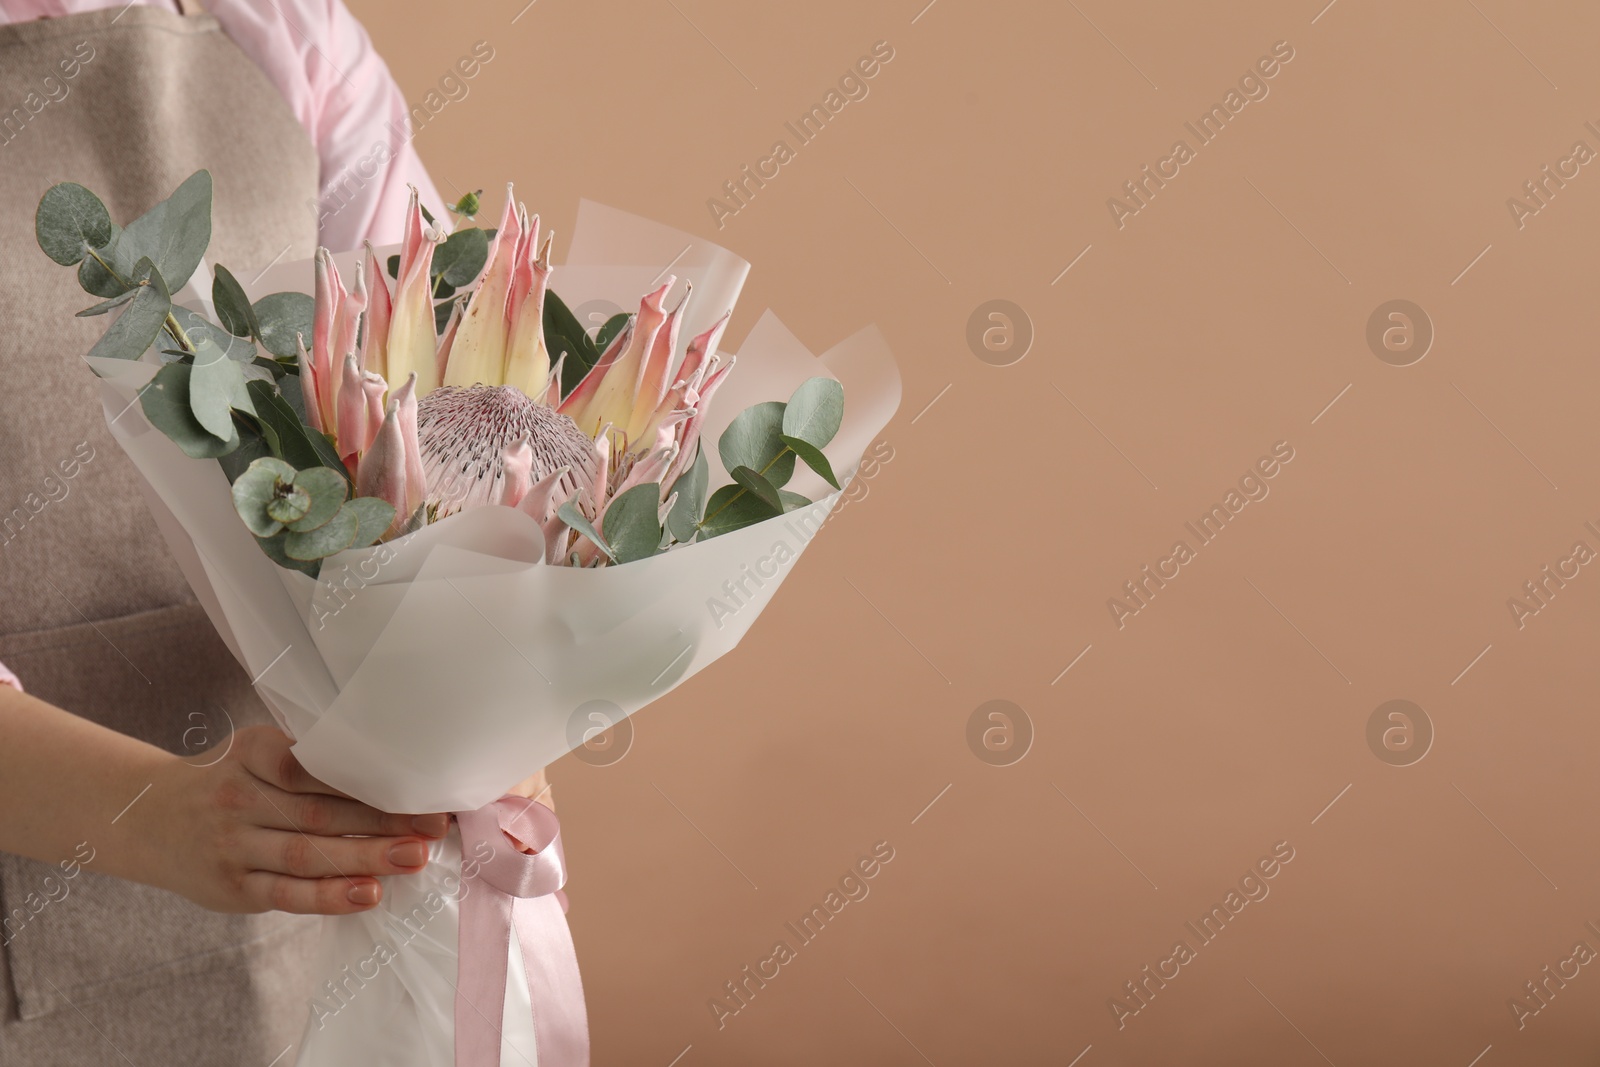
(7, 678)
(340, 89)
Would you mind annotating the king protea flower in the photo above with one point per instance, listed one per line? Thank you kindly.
(480, 420)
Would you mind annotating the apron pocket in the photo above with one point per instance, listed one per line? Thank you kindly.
(70, 934)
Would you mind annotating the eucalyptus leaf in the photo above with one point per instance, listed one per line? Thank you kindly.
(335, 535)
(754, 439)
(733, 508)
(327, 490)
(210, 340)
(173, 235)
(137, 328)
(462, 256)
(299, 445)
(758, 485)
(631, 523)
(691, 490)
(254, 443)
(213, 384)
(94, 278)
(812, 457)
(107, 305)
(791, 501)
(282, 317)
(609, 329)
(274, 549)
(375, 517)
(254, 489)
(570, 515)
(289, 504)
(815, 411)
(564, 333)
(233, 306)
(166, 404)
(70, 221)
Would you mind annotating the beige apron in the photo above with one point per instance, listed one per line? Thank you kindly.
(94, 615)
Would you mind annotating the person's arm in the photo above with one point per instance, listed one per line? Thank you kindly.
(244, 831)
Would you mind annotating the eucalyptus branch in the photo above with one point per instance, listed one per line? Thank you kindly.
(174, 330)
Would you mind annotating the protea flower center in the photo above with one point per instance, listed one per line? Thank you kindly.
(463, 433)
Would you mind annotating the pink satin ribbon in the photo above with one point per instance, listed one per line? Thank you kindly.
(509, 889)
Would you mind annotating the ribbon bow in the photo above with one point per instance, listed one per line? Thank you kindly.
(513, 888)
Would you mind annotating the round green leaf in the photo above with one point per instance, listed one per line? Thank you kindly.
(288, 504)
(754, 439)
(335, 535)
(273, 547)
(173, 234)
(213, 383)
(282, 318)
(70, 221)
(631, 524)
(375, 516)
(815, 411)
(166, 404)
(462, 256)
(255, 489)
(326, 488)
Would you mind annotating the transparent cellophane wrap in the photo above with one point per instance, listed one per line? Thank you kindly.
(434, 672)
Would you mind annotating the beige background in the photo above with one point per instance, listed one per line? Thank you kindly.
(1227, 715)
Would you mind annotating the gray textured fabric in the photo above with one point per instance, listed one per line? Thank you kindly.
(94, 615)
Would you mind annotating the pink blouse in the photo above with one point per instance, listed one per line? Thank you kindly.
(337, 85)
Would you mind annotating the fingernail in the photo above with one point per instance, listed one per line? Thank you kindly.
(365, 894)
(431, 825)
(409, 854)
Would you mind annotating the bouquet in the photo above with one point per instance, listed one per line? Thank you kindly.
(452, 533)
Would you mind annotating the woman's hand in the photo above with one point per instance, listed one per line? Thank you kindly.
(252, 831)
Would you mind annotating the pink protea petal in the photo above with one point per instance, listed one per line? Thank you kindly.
(701, 350)
(478, 354)
(352, 418)
(602, 466)
(556, 536)
(654, 375)
(552, 390)
(447, 339)
(613, 399)
(516, 474)
(527, 359)
(328, 364)
(650, 468)
(584, 392)
(382, 472)
(416, 481)
(522, 262)
(689, 432)
(380, 309)
(412, 347)
(347, 324)
(539, 502)
(373, 387)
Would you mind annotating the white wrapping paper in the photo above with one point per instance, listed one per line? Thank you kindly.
(434, 672)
